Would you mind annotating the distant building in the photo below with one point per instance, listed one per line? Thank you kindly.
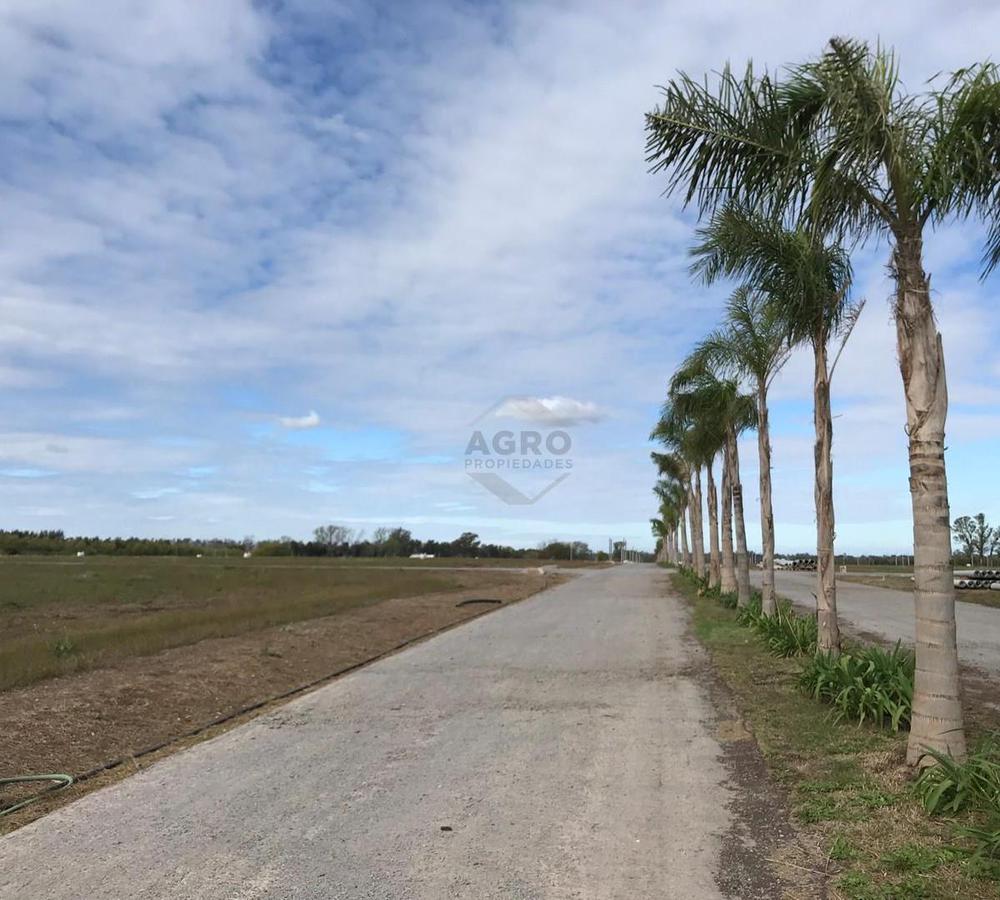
(421, 556)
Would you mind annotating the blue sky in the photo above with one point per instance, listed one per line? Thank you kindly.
(261, 264)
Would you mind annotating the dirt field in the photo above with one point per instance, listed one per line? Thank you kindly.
(127, 702)
(905, 583)
(60, 615)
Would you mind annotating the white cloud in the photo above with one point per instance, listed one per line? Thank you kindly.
(310, 420)
(549, 410)
(155, 493)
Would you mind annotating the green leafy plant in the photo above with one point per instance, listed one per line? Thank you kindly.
(867, 684)
(749, 614)
(950, 787)
(787, 634)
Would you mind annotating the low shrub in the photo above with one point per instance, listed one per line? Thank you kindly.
(951, 787)
(787, 634)
(866, 684)
(749, 614)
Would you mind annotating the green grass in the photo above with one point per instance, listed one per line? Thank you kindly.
(59, 617)
(849, 791)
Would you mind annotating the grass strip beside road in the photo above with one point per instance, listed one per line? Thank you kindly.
(850, 792)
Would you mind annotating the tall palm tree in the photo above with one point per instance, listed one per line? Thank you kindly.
(673, 468)
(712, 502)
(695, 404)
(672, 497)
(752, 344)
(706, 397)
(727, 582)
(740, 414)
(841, 139)
(809, 282)
(678, 432)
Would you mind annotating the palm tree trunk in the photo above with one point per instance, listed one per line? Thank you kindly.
(826, 587)
(739, 522)
(714, 568)
(685, 553)
(768, 604)
(937, 703)
(697, 526)
(727, 582)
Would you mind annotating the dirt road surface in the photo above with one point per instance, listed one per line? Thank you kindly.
(564, 747)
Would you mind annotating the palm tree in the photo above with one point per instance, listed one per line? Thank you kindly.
(660, 532)
(752, 344)
(694, 404)
(672, 497)
(674, 469)
(740, 415)
(727, 582)
(707, 398)
(841, 140)
(678, 432)
(809, 282)
(712, 500)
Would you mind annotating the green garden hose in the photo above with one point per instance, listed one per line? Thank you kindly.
(58, 783)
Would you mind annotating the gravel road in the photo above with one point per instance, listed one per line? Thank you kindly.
(890, 613)
(563, 747)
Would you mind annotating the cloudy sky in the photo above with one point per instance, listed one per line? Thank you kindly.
(267, 265)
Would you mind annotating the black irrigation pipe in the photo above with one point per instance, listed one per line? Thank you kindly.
(64, 781)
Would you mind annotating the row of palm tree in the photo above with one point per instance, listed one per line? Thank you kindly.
(790, 172)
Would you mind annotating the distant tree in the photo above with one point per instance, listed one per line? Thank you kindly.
(398, 542)
(554, 550)
(466, 544)
(333, 537)
(976, 536)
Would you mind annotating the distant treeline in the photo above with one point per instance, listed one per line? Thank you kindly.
(328, 540)
(56, 542)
